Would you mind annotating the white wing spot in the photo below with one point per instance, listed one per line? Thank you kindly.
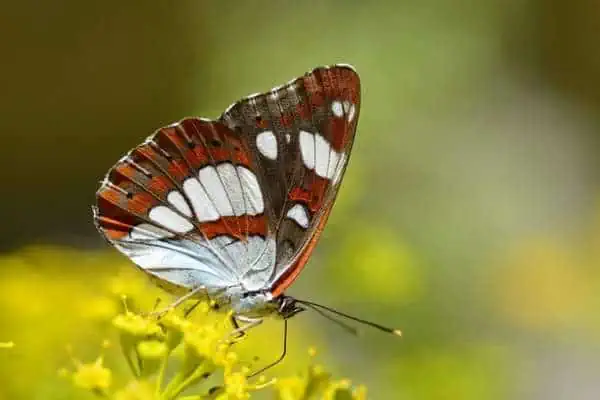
(318, 154)
(252, 191)
(267, 144)
(351, 112)
(322, 155)
(338, 172)
(299, 215)
(170, 219)
(337, 108)
(347, 108)
(233, 187)
(307, 149)
(148, 232)
(209, 177)
(203, 206)
(288, 137)
(334, 158)
(177, 201)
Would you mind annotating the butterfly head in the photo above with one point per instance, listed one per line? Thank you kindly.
(260, 303)
(287, 306)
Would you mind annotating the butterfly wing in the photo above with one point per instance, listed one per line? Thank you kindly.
(240, 201)
(186, 207)
(301, 134)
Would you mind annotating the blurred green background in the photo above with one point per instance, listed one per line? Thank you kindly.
(470, 212)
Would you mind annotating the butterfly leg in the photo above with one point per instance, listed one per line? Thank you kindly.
(188, 311)
(236, 327)
(213, 305)
(240, 331)
(177, 302)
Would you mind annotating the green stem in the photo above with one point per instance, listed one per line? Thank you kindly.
(176, 381)
(161, 374)
(190, 380)
(138, 360)
(130, 362)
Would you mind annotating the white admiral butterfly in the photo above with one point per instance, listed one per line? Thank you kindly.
(231, 209)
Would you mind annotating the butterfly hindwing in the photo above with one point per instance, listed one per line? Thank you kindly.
(186, 206)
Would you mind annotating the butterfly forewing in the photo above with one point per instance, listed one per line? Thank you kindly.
(239, 201)
(301, 135)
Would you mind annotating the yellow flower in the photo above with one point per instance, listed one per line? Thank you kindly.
(291, 388)
(92, 376)
(171, 358)
(236, 386)
(134, 329)
(137, 390)
(342, 389)
(296, 388)
(151, 354)
(205, 341)
(152, 349)
(174, 326)
(136, 325)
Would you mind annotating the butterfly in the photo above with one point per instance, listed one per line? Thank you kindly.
(231, 209)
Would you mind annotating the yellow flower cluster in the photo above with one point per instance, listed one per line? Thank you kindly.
(173, 357)
(77, 296)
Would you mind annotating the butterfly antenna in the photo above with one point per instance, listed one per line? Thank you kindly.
(321, 308)
(342, 324)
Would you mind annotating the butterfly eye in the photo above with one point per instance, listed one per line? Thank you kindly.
(129, 195)
(215, 143)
